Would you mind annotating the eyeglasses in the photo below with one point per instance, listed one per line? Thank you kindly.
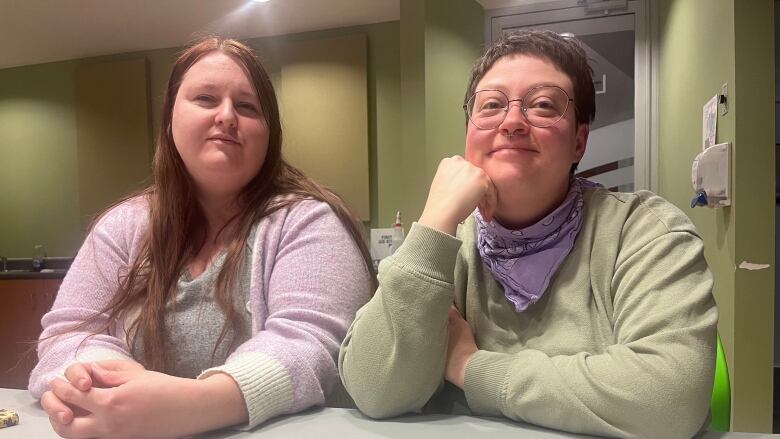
(541, 106)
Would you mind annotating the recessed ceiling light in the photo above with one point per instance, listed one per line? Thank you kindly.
(260, 1)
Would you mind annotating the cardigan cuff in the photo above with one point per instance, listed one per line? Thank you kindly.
(90, 356)
(100, 354)
(264, 383)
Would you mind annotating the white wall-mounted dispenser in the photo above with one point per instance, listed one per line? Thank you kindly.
(711, 176)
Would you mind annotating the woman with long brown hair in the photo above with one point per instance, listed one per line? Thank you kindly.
(220, 294)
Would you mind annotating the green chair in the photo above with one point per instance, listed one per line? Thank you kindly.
(720, 406)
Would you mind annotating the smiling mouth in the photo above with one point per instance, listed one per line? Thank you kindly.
(513, 149)
(225, 140)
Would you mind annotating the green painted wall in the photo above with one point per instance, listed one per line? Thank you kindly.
(384, 123)
(39, 203)
(454, 36)
(384, 111)
(704, 44)
(440, 40)
(38, 177)
(414, 185)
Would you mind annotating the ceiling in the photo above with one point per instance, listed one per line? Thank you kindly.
(38, 31)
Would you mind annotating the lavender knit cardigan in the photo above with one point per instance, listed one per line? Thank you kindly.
(307, 281)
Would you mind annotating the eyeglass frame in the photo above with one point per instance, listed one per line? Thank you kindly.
(523, 108)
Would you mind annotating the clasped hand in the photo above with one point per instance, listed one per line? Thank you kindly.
(457, 189)
(116, 399)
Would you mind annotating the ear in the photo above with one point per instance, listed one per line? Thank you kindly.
(581, 139)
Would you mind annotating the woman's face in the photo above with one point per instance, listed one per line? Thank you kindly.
(218, 126)
(532, 158)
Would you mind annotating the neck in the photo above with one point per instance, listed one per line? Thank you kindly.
(520, 206)
(218, 210)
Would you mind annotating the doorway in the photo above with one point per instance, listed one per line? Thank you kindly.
(619, 152)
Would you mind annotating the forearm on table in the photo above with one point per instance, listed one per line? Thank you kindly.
(390, 369)
(217, 402)
(393, 358)
(620, 393)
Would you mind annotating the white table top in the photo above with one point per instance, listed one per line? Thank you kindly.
(329, 422)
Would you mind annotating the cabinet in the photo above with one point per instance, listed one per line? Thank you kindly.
(24, 302)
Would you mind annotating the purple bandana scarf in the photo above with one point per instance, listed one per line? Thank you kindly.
(525, 260)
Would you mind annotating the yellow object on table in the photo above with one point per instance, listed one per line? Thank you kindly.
(8, 418)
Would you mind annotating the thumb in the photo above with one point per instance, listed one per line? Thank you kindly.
(110, 378)
(487, 205)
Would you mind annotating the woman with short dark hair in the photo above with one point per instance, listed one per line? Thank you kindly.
(527, 293)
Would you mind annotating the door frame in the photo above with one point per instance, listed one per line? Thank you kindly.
(645, 67)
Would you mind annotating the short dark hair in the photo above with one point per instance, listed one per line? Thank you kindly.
(565, 52)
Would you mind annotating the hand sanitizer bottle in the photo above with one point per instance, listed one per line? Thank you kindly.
(398, 232)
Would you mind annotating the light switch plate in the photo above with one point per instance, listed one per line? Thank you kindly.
(723, 100)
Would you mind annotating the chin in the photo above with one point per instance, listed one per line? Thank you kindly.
(224, 164)
(509, 175)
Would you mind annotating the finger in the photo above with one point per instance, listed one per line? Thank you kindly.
(79, 374)
(56, 409)
(69, 394)
(119, 365)
(80, 428)
(454, 315)
(111, 378)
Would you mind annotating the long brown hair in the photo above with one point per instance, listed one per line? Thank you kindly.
(177, 225)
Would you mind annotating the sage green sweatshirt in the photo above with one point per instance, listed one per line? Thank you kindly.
(622, 343)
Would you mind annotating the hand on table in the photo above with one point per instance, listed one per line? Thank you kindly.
(130, 402)
(84, 376)
(461, 346)
(457, 189)
(122, 402)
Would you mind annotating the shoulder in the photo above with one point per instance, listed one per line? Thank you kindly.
(635, 220)
(129, 216)
(303, 221)
(635, 209)
(303, 213)
(306, 233)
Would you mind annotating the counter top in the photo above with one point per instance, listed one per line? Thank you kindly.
(26, 274)
(22, 268)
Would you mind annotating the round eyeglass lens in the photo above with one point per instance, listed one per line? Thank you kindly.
(545, 106)
(487, 108)
(542, 107)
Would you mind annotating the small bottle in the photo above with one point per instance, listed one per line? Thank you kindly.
(398, 232)
(38, 259)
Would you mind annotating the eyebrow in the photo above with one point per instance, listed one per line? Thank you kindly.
(207, 86)
(494, 86)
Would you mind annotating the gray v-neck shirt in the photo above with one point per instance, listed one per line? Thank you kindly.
(194, 320)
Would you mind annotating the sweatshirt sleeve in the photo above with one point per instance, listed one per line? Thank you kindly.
(656, 379)
(91, 282)
(318, 280)
(393, 358)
